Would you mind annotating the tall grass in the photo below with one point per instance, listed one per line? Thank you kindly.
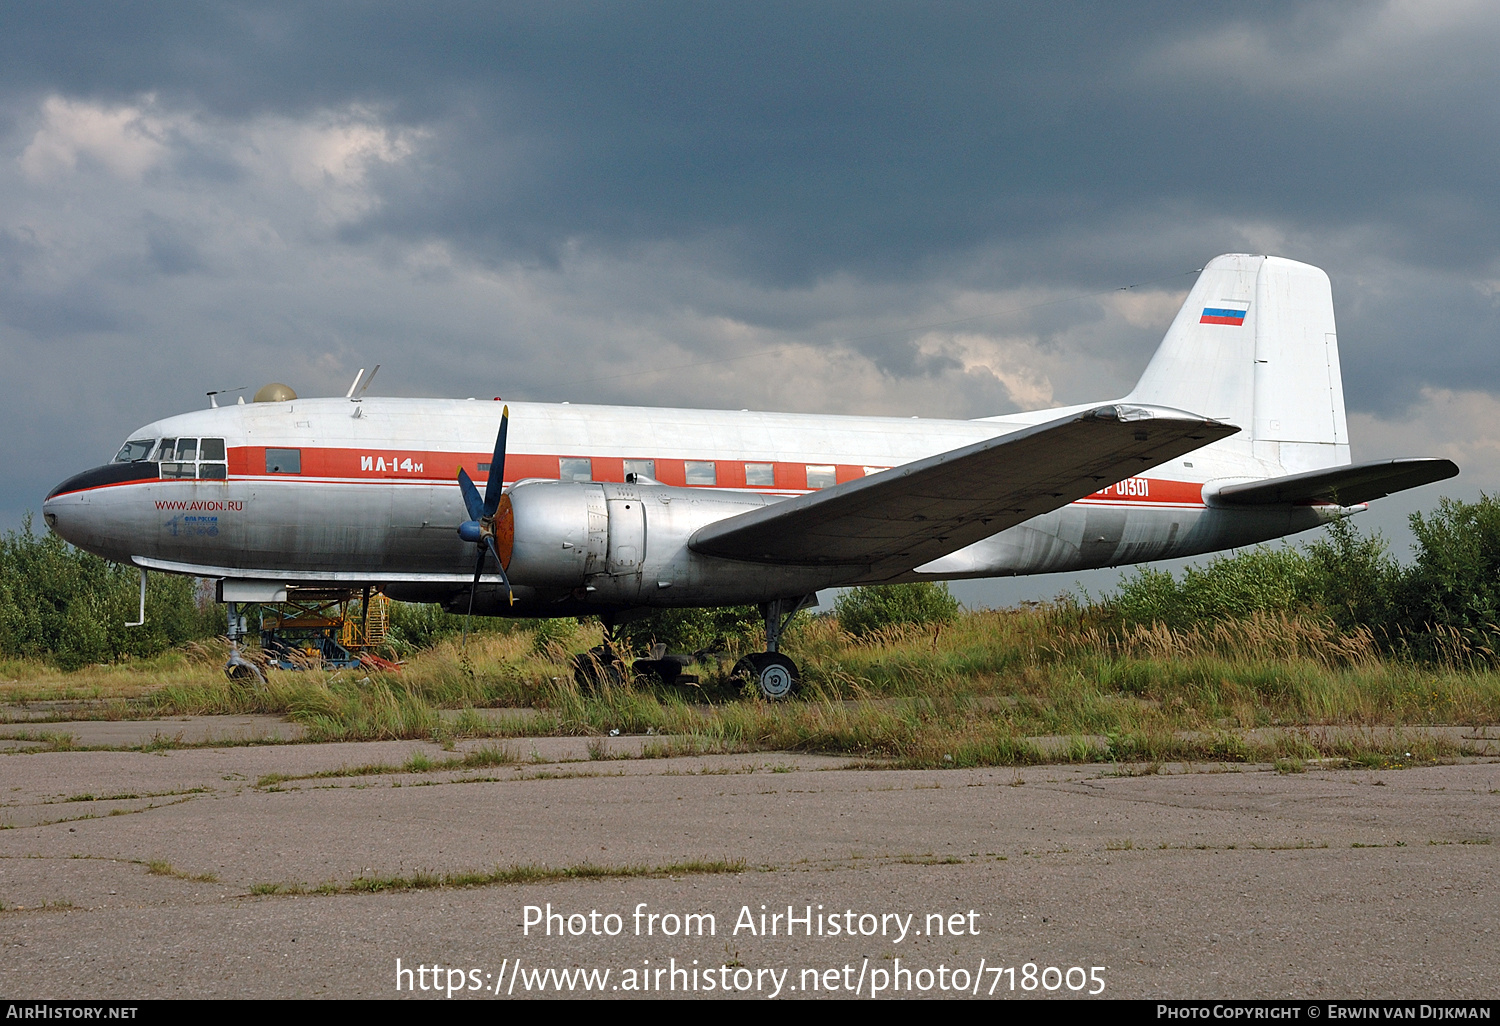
(978, 691)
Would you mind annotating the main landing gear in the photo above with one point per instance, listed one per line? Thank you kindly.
(773, 674)
(601, 666)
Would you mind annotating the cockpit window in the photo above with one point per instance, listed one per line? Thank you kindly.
(188, 458)
(134, 450)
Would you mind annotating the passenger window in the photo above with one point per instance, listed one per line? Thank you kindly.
(211, 449)
(187, 449)
(283, 461)
(641, 468)
(821, 476)
(701, 472)
(575, 469)
(760, 474)
(212, 472)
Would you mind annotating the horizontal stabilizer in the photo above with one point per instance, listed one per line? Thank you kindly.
(915, 513)
(1343, 486)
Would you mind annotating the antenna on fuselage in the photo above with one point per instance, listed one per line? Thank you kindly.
(213, 400)
(350, 395)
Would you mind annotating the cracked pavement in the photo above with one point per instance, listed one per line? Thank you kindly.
(134, 874)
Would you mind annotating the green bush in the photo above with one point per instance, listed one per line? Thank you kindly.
(70, 607)
(558, 631)
(1258, 580)
(1445, 604)
(862, 610)
(692, 630)
(1454, 582)
(418, 625)
(1354, 578)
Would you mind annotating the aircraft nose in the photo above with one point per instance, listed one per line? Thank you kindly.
(61, 509)
(54, 515)
(67, 508)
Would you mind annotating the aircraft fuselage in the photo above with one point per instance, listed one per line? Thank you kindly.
(334, 492)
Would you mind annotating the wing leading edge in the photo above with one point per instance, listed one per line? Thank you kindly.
(912, 514)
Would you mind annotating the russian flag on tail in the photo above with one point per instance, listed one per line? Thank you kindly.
(1222, 315)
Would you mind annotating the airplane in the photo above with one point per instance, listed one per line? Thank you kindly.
(1234, 434)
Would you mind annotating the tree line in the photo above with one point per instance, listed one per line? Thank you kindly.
(1450, 590)
(69, 607)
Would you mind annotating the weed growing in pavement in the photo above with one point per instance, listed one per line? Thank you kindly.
(516, 874)
(160, 867)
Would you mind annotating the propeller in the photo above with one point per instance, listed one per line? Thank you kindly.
(479, 529)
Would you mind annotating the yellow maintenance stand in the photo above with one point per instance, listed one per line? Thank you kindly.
(325, 629)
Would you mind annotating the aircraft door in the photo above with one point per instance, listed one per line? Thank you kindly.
(627, 532)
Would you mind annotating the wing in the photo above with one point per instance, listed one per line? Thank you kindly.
(912, 514)
(1345, 486)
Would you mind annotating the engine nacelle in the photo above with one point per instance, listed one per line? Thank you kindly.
(561, 533)
(627, 544)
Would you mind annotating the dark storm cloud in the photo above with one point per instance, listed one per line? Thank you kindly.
(792, 141)
(803, 138)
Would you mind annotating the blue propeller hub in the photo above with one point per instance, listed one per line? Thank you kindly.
(470, 531)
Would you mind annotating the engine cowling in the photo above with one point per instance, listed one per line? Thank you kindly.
(627, 543)
(559, 533)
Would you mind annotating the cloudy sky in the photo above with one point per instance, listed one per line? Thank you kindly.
(846, 207)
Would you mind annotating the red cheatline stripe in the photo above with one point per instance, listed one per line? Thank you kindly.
(343, 466)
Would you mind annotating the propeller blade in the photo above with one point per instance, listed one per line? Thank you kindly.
(509, 591)
(482, 513)
(472, 502)
(496, 483)
(478, 570)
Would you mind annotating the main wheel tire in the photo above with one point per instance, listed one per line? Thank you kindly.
(599, 667)
(773, 674)
(665, 670)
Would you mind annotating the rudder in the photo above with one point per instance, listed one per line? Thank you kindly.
(1299, 389)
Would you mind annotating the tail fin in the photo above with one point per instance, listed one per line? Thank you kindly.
(1255, 345)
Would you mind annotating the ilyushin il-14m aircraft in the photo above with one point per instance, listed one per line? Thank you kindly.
(1234, 434)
